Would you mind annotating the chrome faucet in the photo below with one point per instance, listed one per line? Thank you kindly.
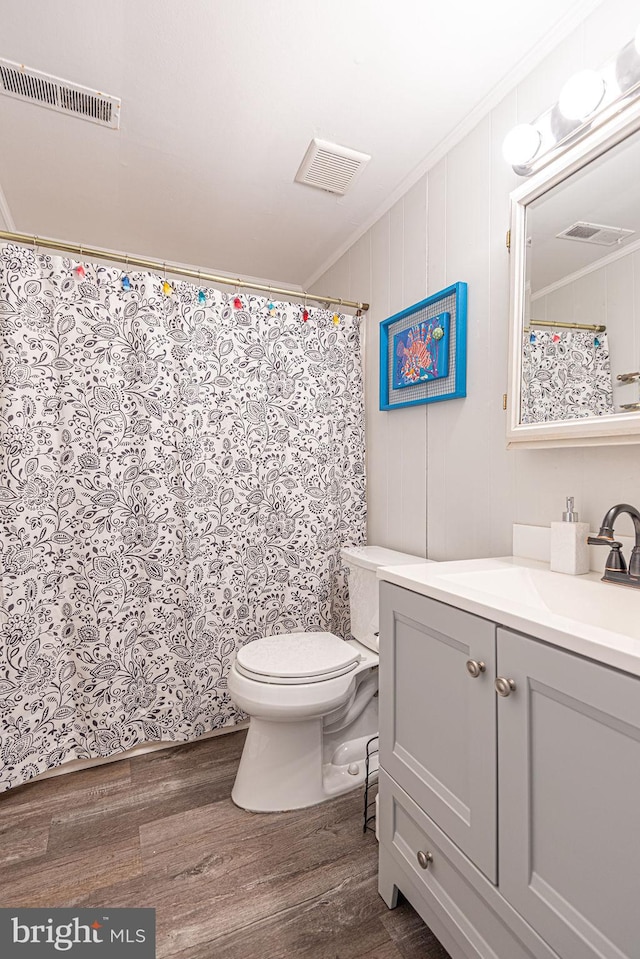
(615, 570)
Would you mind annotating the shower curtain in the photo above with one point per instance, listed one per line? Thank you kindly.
(566, 374)
(176, 479)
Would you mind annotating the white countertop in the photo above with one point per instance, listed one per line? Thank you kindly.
(577, 613)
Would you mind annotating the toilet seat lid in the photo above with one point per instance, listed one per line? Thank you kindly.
(297, 657)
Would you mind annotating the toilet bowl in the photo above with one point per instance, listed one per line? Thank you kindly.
(311, 699)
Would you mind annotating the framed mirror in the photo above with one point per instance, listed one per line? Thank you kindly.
(574, 368)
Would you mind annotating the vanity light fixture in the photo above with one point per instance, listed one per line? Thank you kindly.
(521, 144)
(581, 95)
(587, 100)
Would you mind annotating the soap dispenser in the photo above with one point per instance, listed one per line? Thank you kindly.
(569, 550)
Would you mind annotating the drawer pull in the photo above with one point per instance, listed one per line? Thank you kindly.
(424, 858)
(504, 687)
(474, 668)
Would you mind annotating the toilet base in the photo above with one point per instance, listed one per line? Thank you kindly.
(282, 769)
(338, 776)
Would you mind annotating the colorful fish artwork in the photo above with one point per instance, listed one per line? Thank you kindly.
(421, 352)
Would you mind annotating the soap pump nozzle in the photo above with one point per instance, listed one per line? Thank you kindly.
(569, 515)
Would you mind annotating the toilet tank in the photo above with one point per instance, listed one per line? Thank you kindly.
(362, 563)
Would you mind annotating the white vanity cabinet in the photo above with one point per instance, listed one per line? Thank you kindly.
(569, 798)
(510, 822)
(427, 686)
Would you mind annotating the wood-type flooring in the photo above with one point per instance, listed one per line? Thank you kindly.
(160, 830)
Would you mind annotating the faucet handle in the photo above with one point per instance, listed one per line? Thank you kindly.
(601, 540)
(615, 560)
(634, 562)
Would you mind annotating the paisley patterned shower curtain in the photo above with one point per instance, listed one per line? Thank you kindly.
(176, 480)
(566, 375)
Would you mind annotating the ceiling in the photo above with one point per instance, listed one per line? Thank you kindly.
(220, 99)
(606, 193)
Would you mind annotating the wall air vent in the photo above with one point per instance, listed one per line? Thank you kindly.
(595, 233)
(331, 167)
(23, 83)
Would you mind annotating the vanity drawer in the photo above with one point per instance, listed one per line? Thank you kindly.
(450, 888)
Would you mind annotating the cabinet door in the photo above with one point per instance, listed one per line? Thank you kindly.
(438, 723)
(569, 795)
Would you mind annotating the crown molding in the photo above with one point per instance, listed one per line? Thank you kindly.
(585, 270)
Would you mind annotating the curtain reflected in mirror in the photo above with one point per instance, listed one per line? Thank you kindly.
(566, 374)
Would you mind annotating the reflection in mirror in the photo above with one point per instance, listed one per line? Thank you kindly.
(581, 330)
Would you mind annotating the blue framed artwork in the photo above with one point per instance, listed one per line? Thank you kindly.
(423, 351)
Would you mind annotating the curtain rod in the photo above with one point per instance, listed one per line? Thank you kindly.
(566, 326)
(159, 266)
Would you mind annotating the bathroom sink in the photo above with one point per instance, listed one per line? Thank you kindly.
(579, 613)
(572, 597)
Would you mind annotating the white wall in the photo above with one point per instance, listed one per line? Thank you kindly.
(440, 478)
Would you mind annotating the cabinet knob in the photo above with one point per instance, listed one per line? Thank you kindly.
(424, 858)
(474, 668)
(504, 687)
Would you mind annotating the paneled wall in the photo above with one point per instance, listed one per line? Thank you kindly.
(441, 481)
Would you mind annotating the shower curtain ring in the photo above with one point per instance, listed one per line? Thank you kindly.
(124, 278)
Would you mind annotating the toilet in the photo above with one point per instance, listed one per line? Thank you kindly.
(311, 699)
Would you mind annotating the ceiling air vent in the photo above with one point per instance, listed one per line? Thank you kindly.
(331, 167)
(23, 83)
(595, 233)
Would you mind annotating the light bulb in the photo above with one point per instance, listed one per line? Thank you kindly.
(581, 95)
(521, 144)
